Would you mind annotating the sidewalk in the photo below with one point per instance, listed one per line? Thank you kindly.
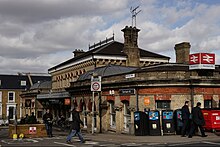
(125, 138)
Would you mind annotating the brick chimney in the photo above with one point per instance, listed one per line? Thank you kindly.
(182, 52)
(78, 52)
(131, 46)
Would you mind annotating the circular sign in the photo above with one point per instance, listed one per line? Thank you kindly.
(95, 86)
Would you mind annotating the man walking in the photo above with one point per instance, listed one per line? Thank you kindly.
(75, 126)
(197, 120)
(185, 119)
(47, 118)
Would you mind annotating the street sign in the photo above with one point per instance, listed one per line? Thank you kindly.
(96, 83)
(32, 130)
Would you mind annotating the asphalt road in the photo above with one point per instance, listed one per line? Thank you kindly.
(59, 140)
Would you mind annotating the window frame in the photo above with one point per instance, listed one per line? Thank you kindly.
(112, 115)
(0, 96)
(163, 104)
(11, 101)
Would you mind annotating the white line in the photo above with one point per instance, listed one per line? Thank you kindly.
(65, 144)
(211, 143)
(183, 143)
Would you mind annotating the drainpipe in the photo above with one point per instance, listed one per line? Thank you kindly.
(100, 113)
(191, 93)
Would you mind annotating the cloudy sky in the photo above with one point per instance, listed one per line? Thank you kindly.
(36, 35)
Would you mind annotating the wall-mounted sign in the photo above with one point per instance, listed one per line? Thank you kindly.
(32, 130)
(129, 91)
(202, 61)
(129, 76)
(146, 101)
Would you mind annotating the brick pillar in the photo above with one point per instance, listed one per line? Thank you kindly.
(119, 120)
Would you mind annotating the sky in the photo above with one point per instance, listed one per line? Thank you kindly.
(36, 35)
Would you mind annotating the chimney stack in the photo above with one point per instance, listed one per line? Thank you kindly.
(78, 52)
(182, 52)
(131, 46)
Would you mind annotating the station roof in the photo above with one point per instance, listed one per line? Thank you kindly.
(107, 70)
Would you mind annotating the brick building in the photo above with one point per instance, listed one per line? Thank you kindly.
(11, 87)
(100, 54)
(155, 87)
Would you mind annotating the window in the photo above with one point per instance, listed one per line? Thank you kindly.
(163, 104)
(112, 115)
(0, 111)
(23, 83)
(11, 113)
(11, 96)
(207, 103)
(127, 116)
(0, 96)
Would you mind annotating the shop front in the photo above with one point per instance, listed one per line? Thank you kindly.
(58, 103)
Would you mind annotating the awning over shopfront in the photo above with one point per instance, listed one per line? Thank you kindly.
(57, 95)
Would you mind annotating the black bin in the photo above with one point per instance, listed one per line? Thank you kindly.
(154, 123)
(168, 122)
(178, 121)
(140, 123)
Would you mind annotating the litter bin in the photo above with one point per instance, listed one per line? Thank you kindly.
(154, 123)
(178, 124)
(168, 122)
(212, 119)
(140, 123)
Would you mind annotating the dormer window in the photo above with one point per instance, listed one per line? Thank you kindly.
(23, 83)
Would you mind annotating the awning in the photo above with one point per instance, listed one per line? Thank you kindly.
(53, 95)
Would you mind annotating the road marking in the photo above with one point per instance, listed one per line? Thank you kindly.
(183, 143)
(211, 143)
(131, 144)
(64, 144)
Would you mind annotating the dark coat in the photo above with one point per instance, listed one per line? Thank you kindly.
(47, 118)
(185, 112)
(197, 116)
(75, 124)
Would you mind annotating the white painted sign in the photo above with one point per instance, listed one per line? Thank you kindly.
(96, 83)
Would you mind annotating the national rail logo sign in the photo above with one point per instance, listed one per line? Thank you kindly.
(202, 61)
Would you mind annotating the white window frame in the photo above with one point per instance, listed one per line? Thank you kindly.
(0, 96)
(11, 105)
(112, 115)
(23, 83)
(0, 110)
(11, 101)
(127, 117)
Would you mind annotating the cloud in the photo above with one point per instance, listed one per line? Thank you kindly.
(38, 34)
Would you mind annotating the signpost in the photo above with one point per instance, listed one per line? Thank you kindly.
(95, 87)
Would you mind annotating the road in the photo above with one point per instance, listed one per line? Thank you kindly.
(59, 140)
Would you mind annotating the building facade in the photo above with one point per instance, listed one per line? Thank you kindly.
(101, 54)
(11, 87)
(157, 87)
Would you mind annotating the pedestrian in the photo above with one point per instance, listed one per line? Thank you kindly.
(32, 119)
(185, 119)
(75, 126)
(197, 121)
(26, 119)
(47, 118)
